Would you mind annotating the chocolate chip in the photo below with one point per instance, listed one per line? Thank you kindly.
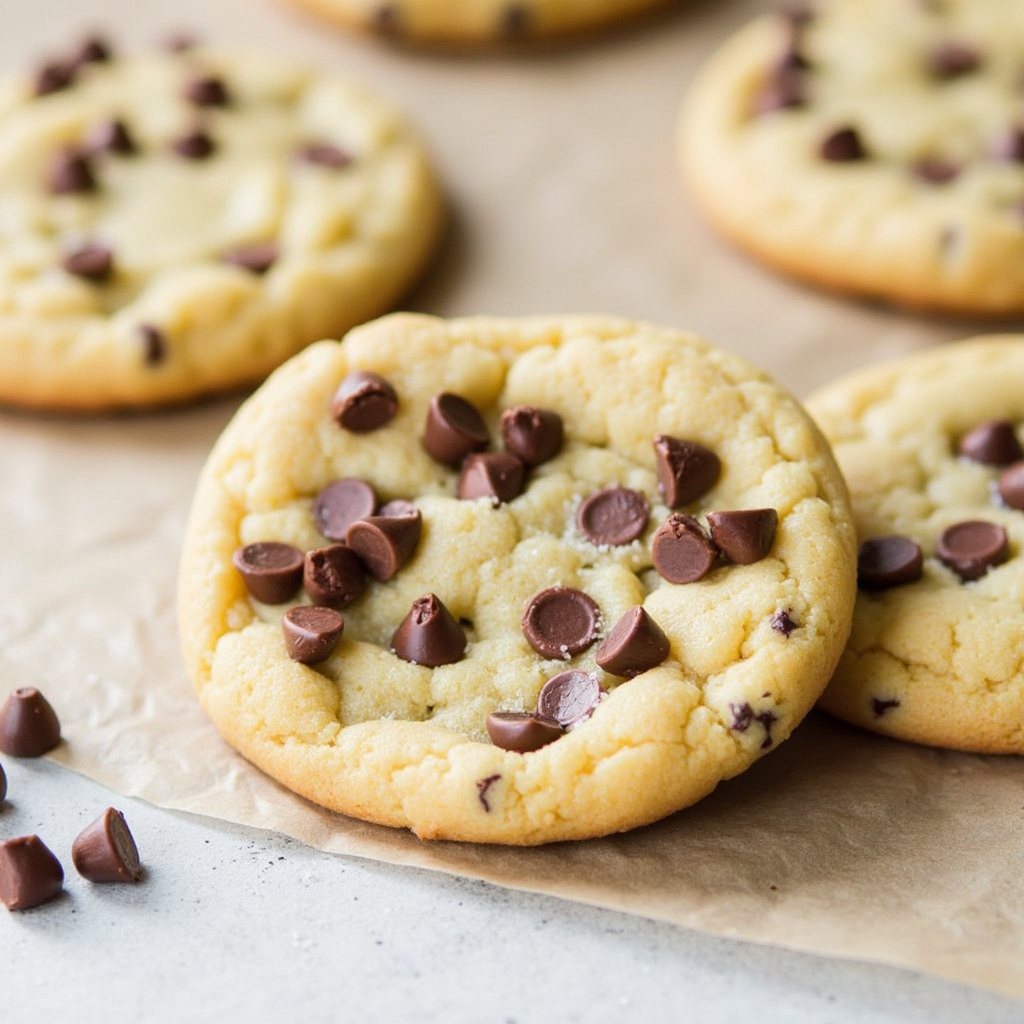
(71, 174)
(92, 261)
(686, 470)
(207, 91)
(453, 429)
(681, 550)
(613, 517)
(28, 724)
(334, 576)
(323, 154)
(340, 504)
(482, 787)
(951, 59)
(399, 507)
(105, 851)
(993, 443)
(785, 89)
(29, 873)
(884, 562)
(973, 547)
(935, 170)
(364, 402)
(843, 145)
(560, 622)
(535, 435)
(256, 257)
(272, 571)
(515, 20)
(744, 536)
(1011, 485)
(498, 476)
(54, 76)
(92, 50)
(194, 145)
(782, 622)
(111, 136)
(1009, 146)
(385, 543)
(429, 635)
(879, 707)
(570, 697)
(521, 732)
(743, 715)
(635, 644)
(154, 344)
(311, 633)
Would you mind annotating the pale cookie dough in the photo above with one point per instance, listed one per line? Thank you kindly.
(939, 660)
(179, 223)
(378, 737)
(876, 147)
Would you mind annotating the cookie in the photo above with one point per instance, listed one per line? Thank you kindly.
(931, 449)
(872, 146)
(514, 581)
(478, 22)
(180, 222)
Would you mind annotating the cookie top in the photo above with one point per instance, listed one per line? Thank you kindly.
(874, 146)
(176, 223)
(484, 509)
(931, 450)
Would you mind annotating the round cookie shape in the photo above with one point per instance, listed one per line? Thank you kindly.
(872, 147)
(935, 653)
(171, 225)
(698, 680)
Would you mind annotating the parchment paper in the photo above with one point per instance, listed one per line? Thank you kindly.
(559, 167)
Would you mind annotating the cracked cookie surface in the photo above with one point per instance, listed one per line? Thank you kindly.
(372, 734)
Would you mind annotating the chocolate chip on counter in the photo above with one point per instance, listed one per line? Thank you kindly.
(385, 543)
(429, 634)
(29, 726)
(560, 622)
(105, 851)
(782, 622)
(272, 571)
(613, 516)
(843, 145)
(54, 76)
(1011, 485)
(973, 547)
(1009, 146)
(744, 536)
(29, 873)
(514, 21)
(111, 136)
(256, 257)
(154, 344)
(880, 707)
(453, 429)
(334, 576)
(498, 476)
(535, 435)
(935, 170)
(521, 732)
(340, 504)
(71, 174)
(569, 697)
(364, 402)
(891, 561)
(323, 154)
(993, 443)
(686, 470)
(311, 633)
(635, 644)
(951, 59)
(785, 89)
(194, 145)
(207, 91)
(681, 550)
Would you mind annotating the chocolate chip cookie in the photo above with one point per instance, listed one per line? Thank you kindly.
(514, 581)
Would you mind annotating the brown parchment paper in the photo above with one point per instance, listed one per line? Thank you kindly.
(564, 198)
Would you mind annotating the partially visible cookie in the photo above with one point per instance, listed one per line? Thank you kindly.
(180, 222)
(514, 581)
(872, 146)
(931, 450)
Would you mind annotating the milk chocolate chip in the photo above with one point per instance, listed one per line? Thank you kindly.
(342, 503)
(92, 50)
(333, 576)
(993, 443)
(453, 429)
(91, 261)
(535, 435)
(207, 91)
(884, 562)
(385, 543)
(681, 550)
(560, 622)
(973, 547)
(54, 76)
(951, 59)
(71, 173)
(256, 257)
(364, 402)
(744, 536)
(784, 89)
(686, 470)
(311, 633)
(111, 136)
(522, 732)
(272, 571)
(105, 851)
(194, 145)
(498, 476)
(28, 724)
(935, 170)
(323, 154)
(843, 145)
(569, 697)
(635, 644)
(29, 873)
(429, 634)
(1011, 485)
(613, 517)
(154, 344)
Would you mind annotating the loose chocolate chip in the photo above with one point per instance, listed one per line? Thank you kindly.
(744, 536)
(429, 634)
(92, 261)
(323, 154)
(785, 89)
(311, 633)
(1009, 146)
(54, 76)
(514, 21)
(453, 429)
(207, 91)
(973, 547)
(71, 173)
(385, 543)
(28, 724)
(1011, 485)
(364, 402)
(993, 443)
(154, 344)
(535, 435)
(569, 697)
(111, 136)
(482, 786)
(498, 476)
(613, 517)
(29, 873)
(635, 644)
(340, 504)
(194, 145)
(256, 257)
(686, 470)
(105, 851)
(884, 562)
(879, 707)
(521, 732)
(681, 550)
(782, 622)
(334, 576)
(935, 170)
(272, 571)
(951, 59)
(843, 145)
(560, 622)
